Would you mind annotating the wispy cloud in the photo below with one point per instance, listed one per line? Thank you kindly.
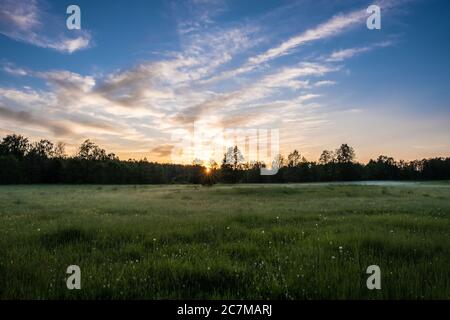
(332, 27)
(324, 83)
(347, 53)
(343, 54)
(27, 22)
(194, 15)
(142, 105)
(266, 87)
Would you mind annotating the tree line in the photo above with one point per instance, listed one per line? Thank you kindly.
(25, 162)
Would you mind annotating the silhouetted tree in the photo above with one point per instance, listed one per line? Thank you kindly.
(278, 161)
(345, 169)
(327, 157)
(345, 154)
(383, 168)
(90, 151)
(293, 159)
(60, 150)
(15, 145)
(42, 149)
(42, 162)
(231, 169)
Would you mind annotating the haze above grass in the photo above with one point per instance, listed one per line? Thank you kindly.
(249, 241)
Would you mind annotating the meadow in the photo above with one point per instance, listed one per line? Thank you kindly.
(290, 241)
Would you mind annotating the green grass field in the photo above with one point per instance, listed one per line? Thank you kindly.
(248, 241)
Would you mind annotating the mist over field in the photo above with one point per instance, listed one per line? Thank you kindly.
(310, 241)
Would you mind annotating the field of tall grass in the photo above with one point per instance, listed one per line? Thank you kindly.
(246, 241)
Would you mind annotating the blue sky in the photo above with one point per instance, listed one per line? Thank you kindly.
(140, 73)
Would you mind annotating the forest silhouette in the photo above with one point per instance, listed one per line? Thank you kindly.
(25, 162)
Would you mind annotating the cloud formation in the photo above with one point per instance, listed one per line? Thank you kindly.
(334, 26)
(27, 118)
(27, 22)
(140, 107)
(344, 54)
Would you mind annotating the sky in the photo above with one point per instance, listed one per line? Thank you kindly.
(142, 78)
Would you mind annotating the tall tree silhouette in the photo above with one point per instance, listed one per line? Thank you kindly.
(327, 157)
(232, 165)
(345, 154)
